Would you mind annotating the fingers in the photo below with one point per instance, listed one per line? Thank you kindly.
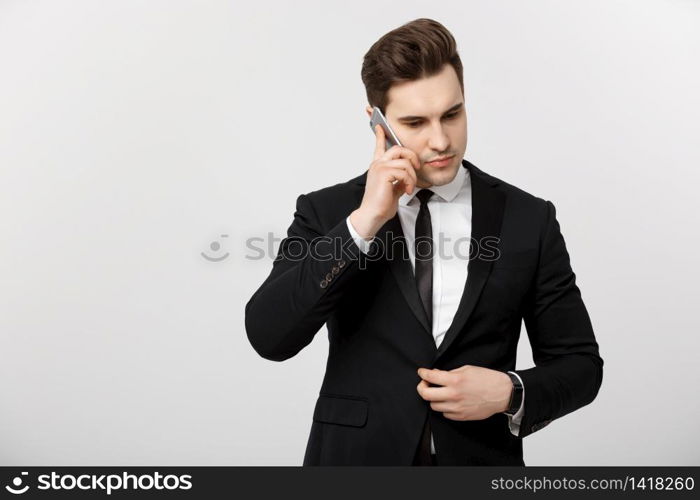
(402, 175)
(437, 394)
(401, 152)
(380, 145)
(453, 416)
(380, 151)
(439, 377)
(404, 165)
(443, 407)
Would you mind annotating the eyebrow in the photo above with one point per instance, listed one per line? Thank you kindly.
(416, 118)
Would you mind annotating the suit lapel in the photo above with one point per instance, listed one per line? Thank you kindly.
(402, 270)
(487, 215)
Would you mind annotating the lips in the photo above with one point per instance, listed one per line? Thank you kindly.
(440, 162)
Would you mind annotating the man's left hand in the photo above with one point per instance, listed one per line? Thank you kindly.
(466, 393)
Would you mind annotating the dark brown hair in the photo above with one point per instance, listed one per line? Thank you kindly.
(415, 50)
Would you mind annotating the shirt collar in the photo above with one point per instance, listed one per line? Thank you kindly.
(447, 191)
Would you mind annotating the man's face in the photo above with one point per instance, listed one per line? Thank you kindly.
(429, 117)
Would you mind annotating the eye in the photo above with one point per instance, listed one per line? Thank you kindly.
(449, 117)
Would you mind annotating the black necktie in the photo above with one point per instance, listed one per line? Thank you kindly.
(423, 254)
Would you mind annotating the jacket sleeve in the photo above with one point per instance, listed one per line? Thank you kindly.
(308, 276)
(568, 368)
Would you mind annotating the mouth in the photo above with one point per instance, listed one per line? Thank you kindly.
(440, 162)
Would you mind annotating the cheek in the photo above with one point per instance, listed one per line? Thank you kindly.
(459, 133)
(413, 144)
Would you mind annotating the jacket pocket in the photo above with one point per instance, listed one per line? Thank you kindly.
(342, 410)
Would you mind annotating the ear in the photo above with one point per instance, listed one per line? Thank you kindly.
(369, 110)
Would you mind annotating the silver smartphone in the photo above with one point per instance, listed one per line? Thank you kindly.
(378, 119)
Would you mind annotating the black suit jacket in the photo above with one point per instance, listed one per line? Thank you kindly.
(368, 411)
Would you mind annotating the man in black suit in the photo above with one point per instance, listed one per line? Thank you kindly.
(423, 340)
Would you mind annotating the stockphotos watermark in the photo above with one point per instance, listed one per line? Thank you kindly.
(389, 247)
(325, 248)
(104, 482)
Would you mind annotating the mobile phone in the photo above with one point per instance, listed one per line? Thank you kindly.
(378, 119)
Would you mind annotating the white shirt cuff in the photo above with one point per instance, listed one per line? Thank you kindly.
(362, 243)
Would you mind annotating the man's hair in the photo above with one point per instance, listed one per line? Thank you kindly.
(418, 49)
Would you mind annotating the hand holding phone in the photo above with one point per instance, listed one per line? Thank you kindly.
(391, 174)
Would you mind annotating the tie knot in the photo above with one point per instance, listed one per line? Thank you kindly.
(423, 195)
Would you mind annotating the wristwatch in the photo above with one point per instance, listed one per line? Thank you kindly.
(516, 398)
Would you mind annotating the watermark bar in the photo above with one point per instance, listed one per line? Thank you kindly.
(349, 482)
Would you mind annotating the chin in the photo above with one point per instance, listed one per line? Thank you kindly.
(440, 176)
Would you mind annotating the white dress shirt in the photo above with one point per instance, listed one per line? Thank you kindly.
(451, 218)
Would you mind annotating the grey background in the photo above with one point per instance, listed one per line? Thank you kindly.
(134, 134)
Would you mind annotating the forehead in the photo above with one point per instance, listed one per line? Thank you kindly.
(426, 96)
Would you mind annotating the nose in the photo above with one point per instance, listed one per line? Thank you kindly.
(438, 140)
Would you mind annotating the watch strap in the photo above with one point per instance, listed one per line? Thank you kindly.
(516, 399)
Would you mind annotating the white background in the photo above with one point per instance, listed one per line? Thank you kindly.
(134, 134)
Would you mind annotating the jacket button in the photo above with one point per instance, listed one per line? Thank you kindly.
(329, 277)
(335, 270)
(341, 264)
(323, 284)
